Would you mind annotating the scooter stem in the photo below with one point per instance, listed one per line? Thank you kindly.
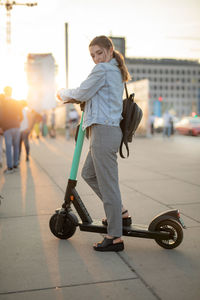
(77, 151)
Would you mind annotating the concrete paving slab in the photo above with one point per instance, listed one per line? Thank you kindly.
(168, 191)
(32, 258)
(136, 173)
(143, 209)
(27, 175)
(31, 201)
(189, 174)
(172, 158)
(172, 274)
(124, 289)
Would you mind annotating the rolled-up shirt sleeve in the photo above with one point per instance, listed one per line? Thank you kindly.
(88, 87)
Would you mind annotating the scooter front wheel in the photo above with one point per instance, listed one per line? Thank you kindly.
(68, 228)
(175, 231)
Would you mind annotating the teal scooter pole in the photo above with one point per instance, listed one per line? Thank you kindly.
(70, 190)
(77, 151)
(71, 195)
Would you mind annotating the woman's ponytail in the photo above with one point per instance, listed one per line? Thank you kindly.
(122, 66)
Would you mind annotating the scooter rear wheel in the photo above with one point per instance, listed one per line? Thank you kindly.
(68, 228)
(176, 234)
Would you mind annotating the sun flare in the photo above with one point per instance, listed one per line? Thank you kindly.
(13, 74)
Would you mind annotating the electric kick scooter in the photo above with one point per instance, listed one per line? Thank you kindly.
(165, 228)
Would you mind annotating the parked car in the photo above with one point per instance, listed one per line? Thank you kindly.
(189, 126)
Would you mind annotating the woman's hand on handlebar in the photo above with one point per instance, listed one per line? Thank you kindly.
(67, 100)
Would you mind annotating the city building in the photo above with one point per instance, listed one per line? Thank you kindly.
(119, 44)
(174, 84)
(41, 70)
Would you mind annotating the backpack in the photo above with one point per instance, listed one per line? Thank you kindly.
(132, 115)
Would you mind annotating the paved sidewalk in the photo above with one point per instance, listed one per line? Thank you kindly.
(160, 174)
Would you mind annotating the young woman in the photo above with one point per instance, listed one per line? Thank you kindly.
(102, 93)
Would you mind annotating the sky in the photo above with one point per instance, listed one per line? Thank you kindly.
(152, 28)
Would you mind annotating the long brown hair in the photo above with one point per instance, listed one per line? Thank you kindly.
(105, 42)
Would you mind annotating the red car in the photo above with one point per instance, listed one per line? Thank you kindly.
(189, 126)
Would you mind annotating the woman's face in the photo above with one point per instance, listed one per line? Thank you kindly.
(100, 55)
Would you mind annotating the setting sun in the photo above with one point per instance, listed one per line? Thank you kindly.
(13, 74)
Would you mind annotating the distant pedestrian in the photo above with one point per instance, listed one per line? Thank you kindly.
(172, 125)
(37, 129)
(151, 121)
(25, 130)
(52, 131)
(167, 124)
(44, 125)
(36, 124)
(73, 121)
(12, 116)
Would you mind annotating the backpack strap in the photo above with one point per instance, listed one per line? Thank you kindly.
(124, 140)
(120, 149)
(125, 86)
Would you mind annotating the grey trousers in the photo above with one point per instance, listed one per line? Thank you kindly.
(100, 171)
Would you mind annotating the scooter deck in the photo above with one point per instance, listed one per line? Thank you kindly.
(135, 230)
